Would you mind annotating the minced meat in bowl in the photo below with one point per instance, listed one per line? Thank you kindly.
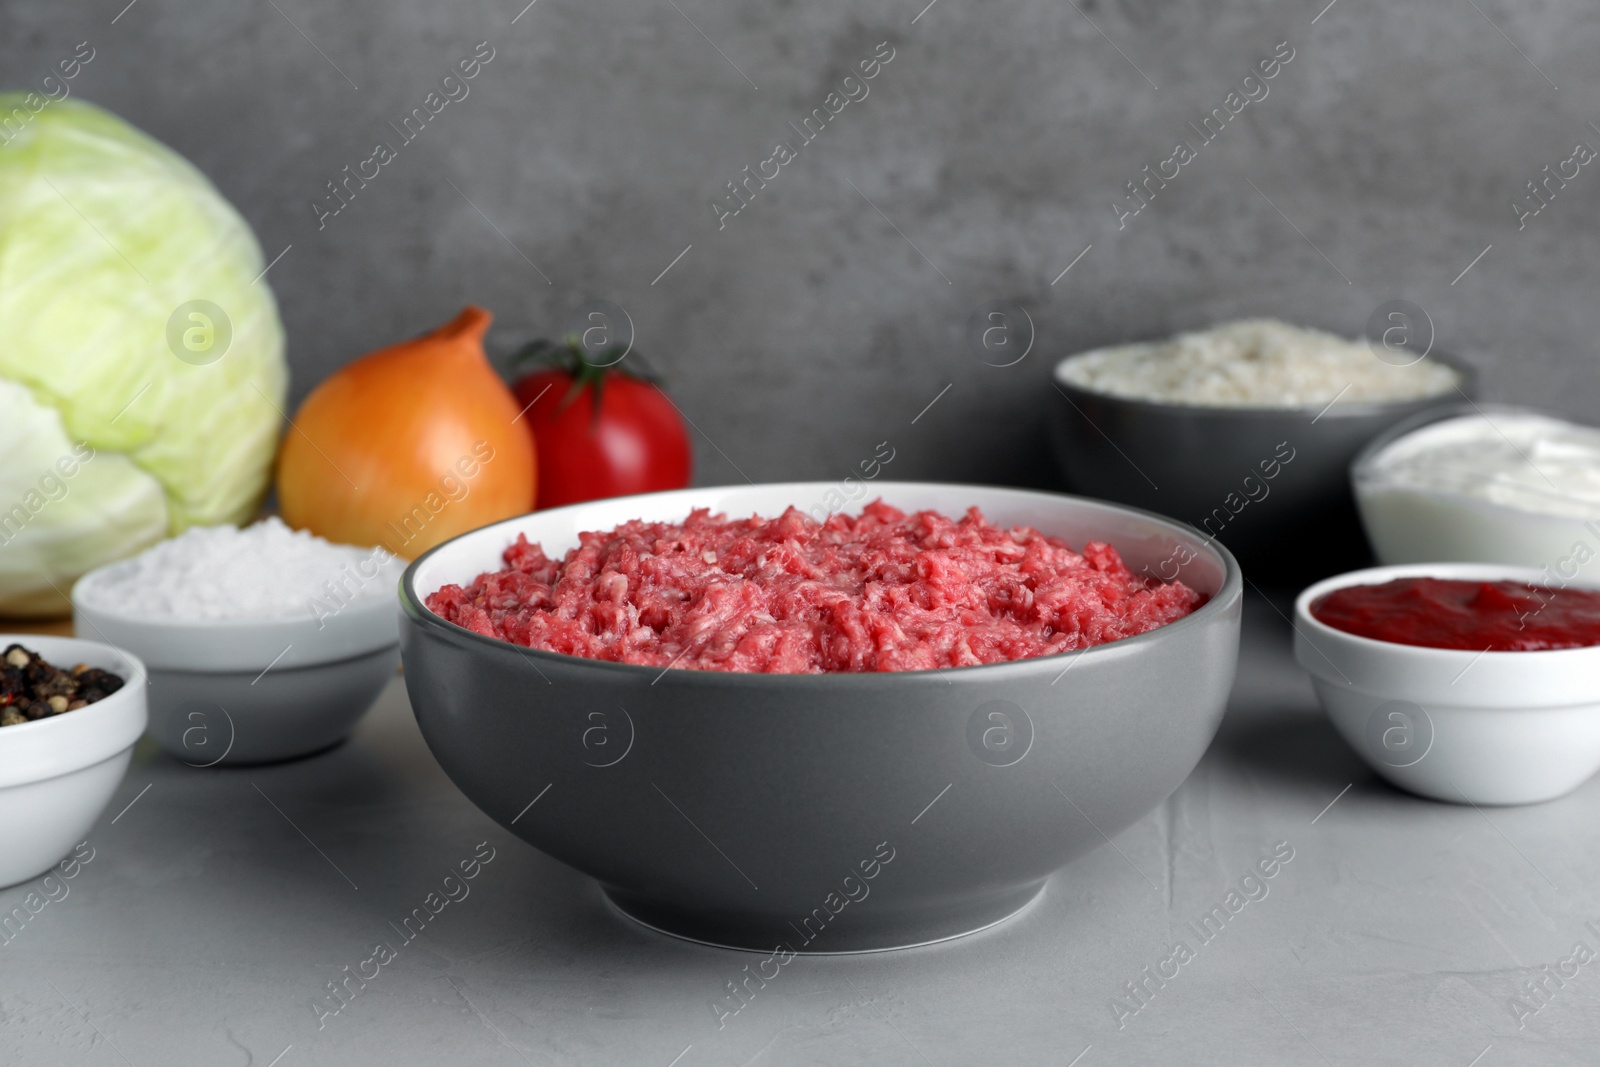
(884, 590)
(630, 771)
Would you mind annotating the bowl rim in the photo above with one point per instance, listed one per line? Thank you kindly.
(28, 640)
(1230, 592)
(1466, 387)
(98, 718)
(1443, 570)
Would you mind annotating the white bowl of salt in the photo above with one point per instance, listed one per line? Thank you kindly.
(262, 643)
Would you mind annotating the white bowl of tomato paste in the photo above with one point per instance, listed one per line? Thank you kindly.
(759, 731)
(1464, 682)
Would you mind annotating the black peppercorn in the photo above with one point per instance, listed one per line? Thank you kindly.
(32, 688)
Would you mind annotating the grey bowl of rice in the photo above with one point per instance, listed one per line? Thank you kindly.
(1246, 431)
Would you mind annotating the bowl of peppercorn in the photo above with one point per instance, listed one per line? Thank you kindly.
(70, 712)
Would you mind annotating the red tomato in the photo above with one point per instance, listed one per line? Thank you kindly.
(636, 444)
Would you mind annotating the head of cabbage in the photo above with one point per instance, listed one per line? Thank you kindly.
(142, 375)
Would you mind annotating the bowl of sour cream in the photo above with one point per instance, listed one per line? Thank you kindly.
(1484, 483)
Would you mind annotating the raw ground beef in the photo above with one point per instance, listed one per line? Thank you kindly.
(882, 591)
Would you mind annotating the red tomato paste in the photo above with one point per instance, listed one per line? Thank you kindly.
(1471, 615)
(882, 591)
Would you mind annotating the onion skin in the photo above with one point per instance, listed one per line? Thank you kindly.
(409, 446)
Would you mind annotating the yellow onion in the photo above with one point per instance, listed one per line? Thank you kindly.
(408, 446)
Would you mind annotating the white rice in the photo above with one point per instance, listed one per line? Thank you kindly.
(1255, 363)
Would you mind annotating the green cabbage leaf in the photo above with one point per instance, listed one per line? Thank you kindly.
(142, 376)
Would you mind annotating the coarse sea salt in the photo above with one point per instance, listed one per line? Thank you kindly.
(1255, 363)
(262, 571)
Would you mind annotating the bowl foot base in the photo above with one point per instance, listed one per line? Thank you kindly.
(889, 930)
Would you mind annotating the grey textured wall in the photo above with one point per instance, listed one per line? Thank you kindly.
(996, 142)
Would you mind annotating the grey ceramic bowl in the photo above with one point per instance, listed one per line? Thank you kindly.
(206, 718)
(237, 691)
(828, 813)
(1193, 463)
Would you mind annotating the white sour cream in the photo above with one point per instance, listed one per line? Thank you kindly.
(1500, 486)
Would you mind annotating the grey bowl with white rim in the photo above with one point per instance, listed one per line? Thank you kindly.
(242, 691)
(825, 812)
(1224, 469)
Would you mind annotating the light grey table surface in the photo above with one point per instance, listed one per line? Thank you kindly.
(215, 909)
